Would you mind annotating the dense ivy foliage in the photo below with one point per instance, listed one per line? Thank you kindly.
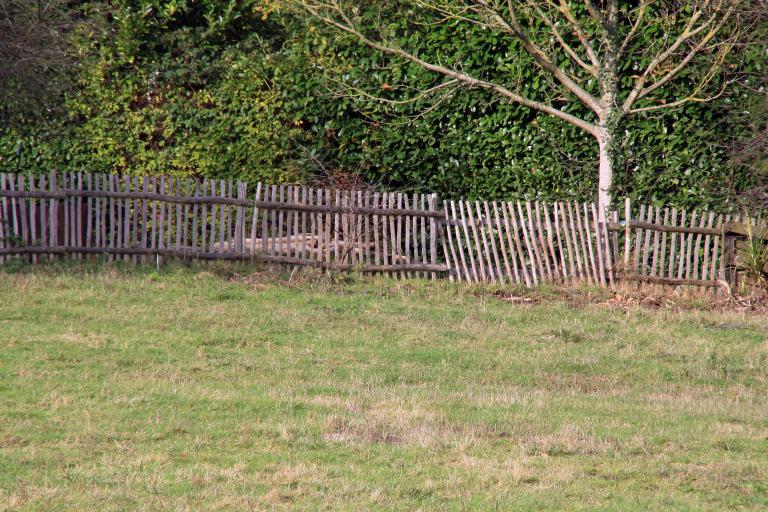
(177, 87)
(218, 88)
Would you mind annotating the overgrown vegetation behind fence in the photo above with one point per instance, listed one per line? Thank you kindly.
(146, 219)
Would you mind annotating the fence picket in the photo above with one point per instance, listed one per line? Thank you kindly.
(533, 261)
(499, 273)
(598, 245)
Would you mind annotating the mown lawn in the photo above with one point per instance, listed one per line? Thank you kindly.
(187, 390)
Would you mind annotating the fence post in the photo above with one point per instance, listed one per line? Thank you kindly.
(727, 271)
(53, 211)
(432, 202)
(627, 232)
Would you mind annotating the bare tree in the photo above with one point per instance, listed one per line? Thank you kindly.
(582, 51)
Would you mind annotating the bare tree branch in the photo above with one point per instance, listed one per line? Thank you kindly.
(591, 69)
(580, 33)
(690, 31)
(513, 27)
(345, 24)
(635, 26)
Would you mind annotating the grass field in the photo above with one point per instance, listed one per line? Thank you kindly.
(187, 389)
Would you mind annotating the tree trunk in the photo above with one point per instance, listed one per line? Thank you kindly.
(605, 180)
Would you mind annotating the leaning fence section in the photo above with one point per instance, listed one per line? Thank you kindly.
(527, 243)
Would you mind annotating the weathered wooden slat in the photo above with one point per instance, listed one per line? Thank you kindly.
(414, 221)
(5, 236)
(232, 214)
(542, 237)
(608, 256)
(569, 247)
(681, 261)
(407, 235)
(663, 247)
(486, 251)
(469, 245)
(510, 219)
(443, 234)
(650, 210)
(452, 256)
(570, 220)
(480, 256)
(536, 274)
(23, 213)
(74, 215)
(423, 230)
(716, 256)
(45, 225)
(498, 272)
(33, 218)
(90, 217)
(696, 256)
(315, 248)
(689, 247)
(637, 246)
(503, 247)
(265, 223)
(405, 257)
(112, 219)
(119, 208)
(587, 234)
(672, 245)
(177, 225)
(598, 245)
(526, 222)
(581, 243)
(100, 217)
(337, 228)
(327, 226)
(553, 234)
(14, 224)
(656, 236)
(433, 227)
(544, 272)
(53, 210)
(508, 246)
(215, 209)
(376, 232)
(455, 222)
(224, 217)
(127, 216)
(708, 249)
(255, 219)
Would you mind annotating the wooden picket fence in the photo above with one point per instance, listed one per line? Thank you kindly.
(148, 219)
(676, 247)
(140, 218)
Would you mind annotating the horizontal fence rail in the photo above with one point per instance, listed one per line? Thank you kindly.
(146, 219)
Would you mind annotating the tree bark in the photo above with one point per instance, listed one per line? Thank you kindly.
(605, 141)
